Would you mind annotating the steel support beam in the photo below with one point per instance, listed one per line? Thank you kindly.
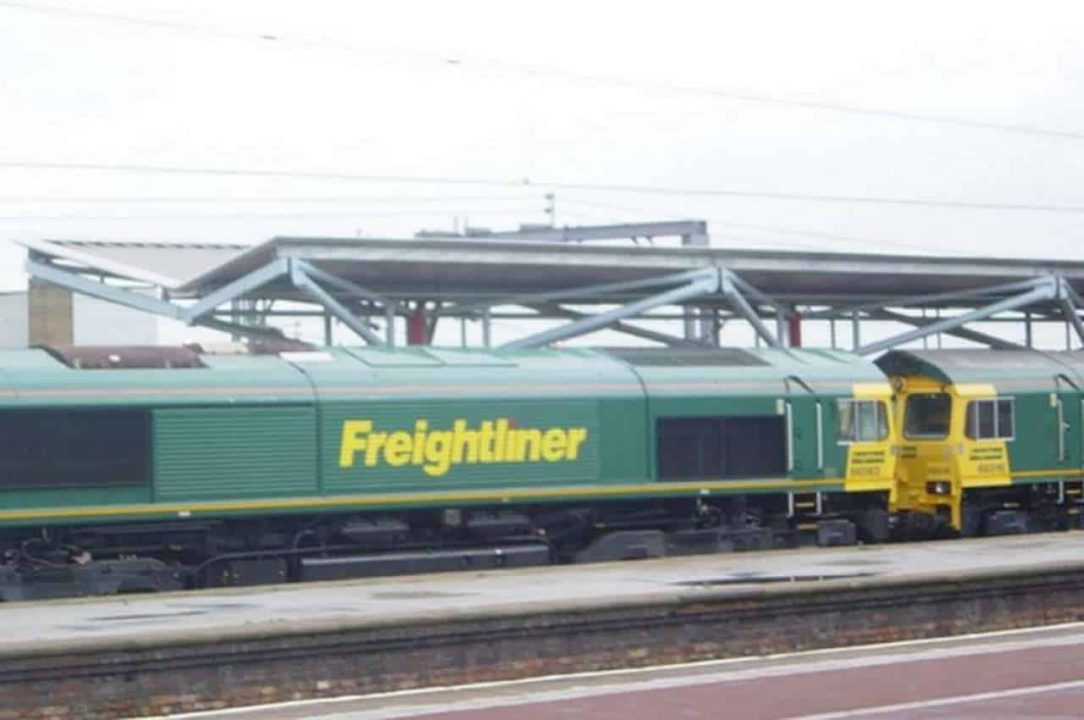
(1072, 294)
(238, 288)
(109, 293)
(1046, 292)
(729, 288)
(346, 286)
(1071, 302)
(746, 310)
(963, 333)
(696, 327)
(236, 329)
(707, 284)
(1069, 310)
(137, 301)
(755, 293)
(741, 285)
(621, 327)
(579, 292)
(389, 325)
(390, 306)
(308, 286)
(917, 300)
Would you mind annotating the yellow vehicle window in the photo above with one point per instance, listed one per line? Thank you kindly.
(926, 416)
(990, 419)
(862, 421)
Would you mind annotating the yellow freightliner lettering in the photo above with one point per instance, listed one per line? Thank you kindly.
(436, 451)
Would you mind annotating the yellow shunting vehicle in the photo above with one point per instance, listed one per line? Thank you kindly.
(990, 441)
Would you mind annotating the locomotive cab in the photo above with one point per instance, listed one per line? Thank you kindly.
(953, 438)
(989, 444)
(867, 431)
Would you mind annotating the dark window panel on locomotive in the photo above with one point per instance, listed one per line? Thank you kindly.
(74, 448)
(721, 447)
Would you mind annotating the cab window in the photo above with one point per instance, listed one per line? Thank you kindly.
(862, 421)
(926, 416)
(990, 419)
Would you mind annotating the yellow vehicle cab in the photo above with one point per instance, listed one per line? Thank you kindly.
(990, 441)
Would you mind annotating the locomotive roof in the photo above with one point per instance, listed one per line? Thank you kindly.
(1009, 369)
(37, 377)
(759, 371)
(40, 377)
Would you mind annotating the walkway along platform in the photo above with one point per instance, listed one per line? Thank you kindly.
(142, 655)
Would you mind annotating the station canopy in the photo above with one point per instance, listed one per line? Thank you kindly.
(583, 276)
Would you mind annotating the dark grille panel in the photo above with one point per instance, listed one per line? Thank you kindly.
(721, 447)
(685, 357)
(73, 448)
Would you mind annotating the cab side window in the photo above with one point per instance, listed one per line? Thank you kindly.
(862, 421)
(990, 419)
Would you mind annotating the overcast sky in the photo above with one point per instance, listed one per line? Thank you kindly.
(659, 95)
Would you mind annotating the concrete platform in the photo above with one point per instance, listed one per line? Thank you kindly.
(149, 655)
(161, 619)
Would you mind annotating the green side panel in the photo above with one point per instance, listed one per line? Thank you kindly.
(395, 416)
(1073, 404)
(730, 405)
(221, 453)
(803, 410)
(627, 454)
(835, 454)
(1036, 444)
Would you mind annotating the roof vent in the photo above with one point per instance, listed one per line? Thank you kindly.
(686, 357)
(117, 357)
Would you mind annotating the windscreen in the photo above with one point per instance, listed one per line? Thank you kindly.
(926, 417)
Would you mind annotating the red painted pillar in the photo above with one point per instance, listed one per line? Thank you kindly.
(794, 330)
(415, 328)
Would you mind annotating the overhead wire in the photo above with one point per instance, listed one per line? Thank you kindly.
(338, 176)
(476, 63)
(478, 212)
(314, 199)
(526, 182)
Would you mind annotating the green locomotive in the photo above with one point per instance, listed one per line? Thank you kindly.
(992, 441)
(139, 469)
